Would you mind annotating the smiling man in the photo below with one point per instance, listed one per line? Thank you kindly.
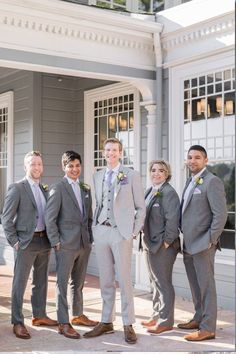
(68, 220)
(204, 214)
(24, 227)
(118, 218)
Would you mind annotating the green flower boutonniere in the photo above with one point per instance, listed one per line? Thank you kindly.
(199, 180)
(157, 194)
(45, 187)
(84, 186)
(122, 178)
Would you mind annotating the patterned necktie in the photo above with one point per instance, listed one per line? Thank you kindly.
(40, 222)
(77, 191)
(109, 177)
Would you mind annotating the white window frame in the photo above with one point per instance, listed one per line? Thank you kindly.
(6, 100)
(98, 94)
(177, 75)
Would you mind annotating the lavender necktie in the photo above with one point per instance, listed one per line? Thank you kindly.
(40, 223)
(109, 177)
(76, 189)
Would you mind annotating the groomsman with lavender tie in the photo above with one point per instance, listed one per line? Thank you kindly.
(68, 220)
(24, 227)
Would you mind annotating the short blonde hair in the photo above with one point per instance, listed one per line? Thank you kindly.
(113, 141)
(165, 165)
(30, 154)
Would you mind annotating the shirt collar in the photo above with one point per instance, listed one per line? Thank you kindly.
(115, 169)
(70, 180)
(157, 186)
(198, 174)
(31, 181)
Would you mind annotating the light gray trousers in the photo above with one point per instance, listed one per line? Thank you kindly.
(114, 254)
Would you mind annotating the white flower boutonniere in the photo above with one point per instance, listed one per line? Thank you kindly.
(122, 178)
(45, 187)
(199, 180)
(84, 186)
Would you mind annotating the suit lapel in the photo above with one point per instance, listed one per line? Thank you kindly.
(125, 170)
(29, 192)
(99, 182)
(72, 195)
(192, 190)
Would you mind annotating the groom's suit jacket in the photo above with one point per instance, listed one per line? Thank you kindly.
(19, 218)
(205, 213)
(64, 221)
(128, 204)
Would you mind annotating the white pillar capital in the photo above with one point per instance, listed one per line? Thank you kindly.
(151, 108)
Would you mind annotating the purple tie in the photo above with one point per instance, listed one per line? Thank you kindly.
(40, 222)
(109, 178)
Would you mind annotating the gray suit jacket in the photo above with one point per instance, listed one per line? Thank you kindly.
(19, 218)
(162, 219)
(64, 221)
(205, 214)
(128, 205)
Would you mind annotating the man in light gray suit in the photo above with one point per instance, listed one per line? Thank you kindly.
(203, 217)
(119, 216)
(69, 219)
(24, 227)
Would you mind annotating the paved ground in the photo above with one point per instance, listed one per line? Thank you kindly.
(46, 339)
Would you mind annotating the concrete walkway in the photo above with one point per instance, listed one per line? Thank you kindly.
(47, 340)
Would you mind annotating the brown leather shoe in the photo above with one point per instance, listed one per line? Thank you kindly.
(68, 331)
(159, 329)
(101, 328)
(192, 324)
(83, 320)
(44, 321)
(149, 323)
(200, 335)
(130, 336)
(20, 331)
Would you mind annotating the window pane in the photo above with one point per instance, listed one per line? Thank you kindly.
(202, 80)
(227, 85)
(209, 78)
(198, 109)
(194, 82)
(218, 76)
(214, 106)
(227, 74)
(186, 84)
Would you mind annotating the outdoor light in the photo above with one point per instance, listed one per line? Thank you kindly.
(122, 123)
(229, 107)
(218, 104)
(131, 122)
(112, 123)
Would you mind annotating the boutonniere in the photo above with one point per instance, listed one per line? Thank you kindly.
(45, 187)
(122, 178)
(84, 186)
(157, 194)
(199, 180)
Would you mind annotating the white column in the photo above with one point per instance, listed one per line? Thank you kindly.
(141, 273)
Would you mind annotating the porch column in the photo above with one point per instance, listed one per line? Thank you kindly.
(151, 134)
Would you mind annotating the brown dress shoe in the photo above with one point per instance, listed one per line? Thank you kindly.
(44, 321)
(101, 328)
(130, 336)
(200, 335)
(159, 329)
(20, 331)
(83, 320)
(149, 323)
(192, 324)
(68, 331)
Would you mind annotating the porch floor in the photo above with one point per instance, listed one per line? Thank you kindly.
(46, 339)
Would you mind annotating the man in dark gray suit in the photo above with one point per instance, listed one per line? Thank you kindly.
(68, 220)
(204, 214)
(24, 227)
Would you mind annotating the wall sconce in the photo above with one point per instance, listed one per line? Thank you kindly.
(131, 122)
(112, 123)
(201, 107)
(229, 107)
(123, 124)
(218, 104)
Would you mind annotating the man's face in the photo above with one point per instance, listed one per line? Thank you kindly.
(34, 167)
(196, 161)
(112, 153)
(73, 169)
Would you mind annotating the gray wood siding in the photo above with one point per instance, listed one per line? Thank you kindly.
(21, 82)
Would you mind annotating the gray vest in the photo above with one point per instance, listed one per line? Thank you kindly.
(106, 213)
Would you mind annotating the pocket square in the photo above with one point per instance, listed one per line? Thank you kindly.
(156, 205)
(197, 191)
(86, 196)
